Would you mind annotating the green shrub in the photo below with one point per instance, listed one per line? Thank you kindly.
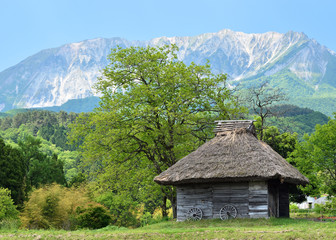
(10, 224)
(55, 206)
(293, 207)
(45, 209)
(146, 218)
(123, 209)
(327, 208)
(92, 217)
(7, 207)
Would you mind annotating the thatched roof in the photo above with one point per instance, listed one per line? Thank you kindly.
(234, 155)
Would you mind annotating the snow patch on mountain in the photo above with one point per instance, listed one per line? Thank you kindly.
(54, 76)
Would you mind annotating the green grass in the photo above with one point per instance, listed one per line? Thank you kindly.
(204, 229)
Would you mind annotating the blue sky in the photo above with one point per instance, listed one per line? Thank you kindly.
(27, 27)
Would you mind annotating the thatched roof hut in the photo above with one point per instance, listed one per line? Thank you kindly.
(234, 167)
(235, 154)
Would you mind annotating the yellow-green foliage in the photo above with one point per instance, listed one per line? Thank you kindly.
(7, 207)
(55, 206)
(328, 208)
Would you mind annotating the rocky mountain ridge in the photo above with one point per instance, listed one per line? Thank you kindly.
(54, 76)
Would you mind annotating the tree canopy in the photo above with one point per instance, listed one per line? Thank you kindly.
(13, 171)
(154, 109)
(41, 168)
(26, 167)
(316, 158)
(284, 144)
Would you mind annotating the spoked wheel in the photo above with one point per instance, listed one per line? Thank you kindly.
(227, 212)
(194, 214)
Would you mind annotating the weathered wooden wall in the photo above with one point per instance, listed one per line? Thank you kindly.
(258, 199)
(194, 196)
(231, 193)
(250, 199)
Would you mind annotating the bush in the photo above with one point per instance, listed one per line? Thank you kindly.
(7, 207)
(124, 211)
(327, 208)
(10, 224)
(92, 217)
(55, 206)
(293, 207)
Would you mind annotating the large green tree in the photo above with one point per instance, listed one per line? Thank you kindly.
(12, 172)
(154, 109)
(284, 144)
(41, 168)
(316, 158)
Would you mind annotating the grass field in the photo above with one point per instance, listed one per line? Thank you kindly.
(204, 229)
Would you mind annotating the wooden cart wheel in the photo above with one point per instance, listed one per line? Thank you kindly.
(227, 212)
(194, 214)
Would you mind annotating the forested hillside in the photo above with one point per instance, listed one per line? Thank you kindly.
(48, 130)
(292, 119)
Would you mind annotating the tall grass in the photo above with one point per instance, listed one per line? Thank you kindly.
(204, 229)
(10, 224)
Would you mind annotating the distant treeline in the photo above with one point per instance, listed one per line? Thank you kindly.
(51, 126)
(290, 118)
(49, 130)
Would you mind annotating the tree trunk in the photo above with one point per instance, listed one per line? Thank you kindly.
(174, 206)
(169, 193)
(164, 207)
(262, 127)
(172, 198)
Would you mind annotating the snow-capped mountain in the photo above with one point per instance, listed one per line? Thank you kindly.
(54, 76)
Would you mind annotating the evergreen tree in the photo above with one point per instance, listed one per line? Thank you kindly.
(12, 172)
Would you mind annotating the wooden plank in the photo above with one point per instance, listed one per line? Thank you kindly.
(194, 191)
(230, 200)
(258, 207)
(258, 192)
(255, 205)
(256, 196)
(231, 187)
(259, 215)
(262, 185)
(232, 193)
(240, 207)
(194, 186)
(196, 196)
(258, 201)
